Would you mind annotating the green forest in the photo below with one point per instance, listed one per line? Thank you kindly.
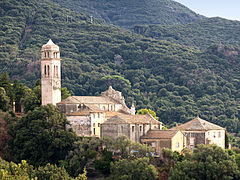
(199, 34)
(126, 13)
(37, 145)
(177, 82)
(180, 66)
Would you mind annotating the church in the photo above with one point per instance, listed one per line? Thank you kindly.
(87, 114)
(108, 115)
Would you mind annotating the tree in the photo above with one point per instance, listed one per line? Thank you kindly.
(126, 148)
(50, 171)
(19, 91)
(139, 169)
(6, 84)
(206, 162)
(31, 99)
(4, 100)
(65, 93)
(145, 111)
(83, 151)
(41, 136)
(12, 171)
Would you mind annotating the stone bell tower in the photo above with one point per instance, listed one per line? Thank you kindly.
(51, 74)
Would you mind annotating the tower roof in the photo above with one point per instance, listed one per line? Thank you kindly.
(50, 46)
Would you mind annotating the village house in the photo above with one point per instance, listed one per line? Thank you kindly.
(87, 113)
(199, 131)
(132, 126)
(159, 139)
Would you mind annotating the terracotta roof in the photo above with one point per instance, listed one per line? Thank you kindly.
(88, 100)
(160, 134)
(94, 108)
(69, 100)
(198, 124)
(84, 112)
(110, 114)
(131, 119)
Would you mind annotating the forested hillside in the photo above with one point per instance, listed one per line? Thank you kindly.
(177, 82)
(126, 13)
(199, 34)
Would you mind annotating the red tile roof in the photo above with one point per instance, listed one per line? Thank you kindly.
(198, 124)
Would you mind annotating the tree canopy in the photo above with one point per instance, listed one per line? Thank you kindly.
(41, 136)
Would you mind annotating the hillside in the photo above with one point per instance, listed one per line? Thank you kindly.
(126, 13)
(200, 34)
(177, 82)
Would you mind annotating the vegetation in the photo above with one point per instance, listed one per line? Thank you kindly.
(198, 34)
(176, 82)
(41, 137)
(126, 13)
(207, 162)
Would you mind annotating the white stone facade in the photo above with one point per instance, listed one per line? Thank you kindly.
(51, 74)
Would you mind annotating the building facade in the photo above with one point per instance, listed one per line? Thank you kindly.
(199, 131)
(132, 126)
(159, 139)
(50, 74)
(87, 113)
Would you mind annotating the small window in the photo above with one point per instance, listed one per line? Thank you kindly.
(45, 54)
(140, 128)
(153, 144)
(98, 124)
(122, 129)
(132, 128)
(94, 132)
(214, 134)
(93, 116)
(178, 144)
(93, 124)
(48, 54)
(219, 134)
(98, 115)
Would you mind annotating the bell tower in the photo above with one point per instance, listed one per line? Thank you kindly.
(51, 74)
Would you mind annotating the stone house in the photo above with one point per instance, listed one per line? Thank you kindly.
(158, 139)
(86, 113)
(199, 131)
(132, 126)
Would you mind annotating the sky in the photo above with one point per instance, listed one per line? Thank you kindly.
(229, 9)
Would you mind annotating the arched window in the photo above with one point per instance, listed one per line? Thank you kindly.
(45, 70)
(48, 70)
(54, 70)
(45, 53)
(48, 54)
(57, 71)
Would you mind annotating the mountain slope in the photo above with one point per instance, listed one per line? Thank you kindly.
(126, 13)
(177, 82)
(200, 34)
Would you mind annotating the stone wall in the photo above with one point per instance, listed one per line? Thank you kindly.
(67, 108)
(115, 130)
(80, 124)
